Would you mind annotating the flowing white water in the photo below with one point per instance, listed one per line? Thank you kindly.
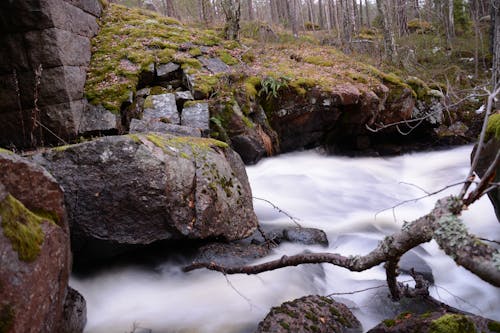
(338, 195)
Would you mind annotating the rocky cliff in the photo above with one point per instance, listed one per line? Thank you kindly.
(45, 50)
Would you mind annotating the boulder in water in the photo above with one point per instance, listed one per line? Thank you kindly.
(310, 314)
(133, 190)
(439, 321)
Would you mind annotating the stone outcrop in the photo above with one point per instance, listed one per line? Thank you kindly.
(43, 59)
(310, 314)
(439, 321)
(34, 248)
(132, 190)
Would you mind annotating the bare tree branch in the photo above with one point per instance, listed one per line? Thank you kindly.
(442, 224)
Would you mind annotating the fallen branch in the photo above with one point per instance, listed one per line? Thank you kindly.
(442, 224)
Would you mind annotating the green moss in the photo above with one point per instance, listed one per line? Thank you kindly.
(195, 52)
(227, 58)
(301, 85)
(419, 86)
(61, 148)
(493, 129)
(157, 90)
(251, 85)
(22, 227)
(494, 326)
(206, 84)
(134, 138)
(318, 60)
(231, 44)
(196, 144)
(389, 322)
(358, 77)
(148, 103)
(129, 42)
(452, 323)
(5, 151)
(285, 325)
(248, 57)
(187, 62)
(7, 315)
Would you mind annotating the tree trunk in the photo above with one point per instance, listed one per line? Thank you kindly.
(495, 16)
(232, 12)
(450, 24)
(368, 23)
(402, 17)
(206, 11)
(251, 16)
(389, 40)
(292, 19)
(360, 14)
(321, 15)
(354, 15)
(170, 8)
(273, 4)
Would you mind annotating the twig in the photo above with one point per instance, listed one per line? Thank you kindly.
(414, 185)
(475, 160)
(294, 220)
(485, 180)
(419, 198)
(361, 290)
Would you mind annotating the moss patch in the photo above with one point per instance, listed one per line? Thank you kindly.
(452, 323)
(493, 129)
(22, 227)
(6, 318)
(5, 151)
(227, 58)
(129, 42)
(494, 326)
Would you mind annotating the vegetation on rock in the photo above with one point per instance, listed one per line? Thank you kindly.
(22, 227)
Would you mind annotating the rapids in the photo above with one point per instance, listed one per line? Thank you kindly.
(339, 195)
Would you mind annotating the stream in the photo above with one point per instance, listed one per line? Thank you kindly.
(339, 195)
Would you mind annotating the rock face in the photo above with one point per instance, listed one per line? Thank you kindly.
(34, 248)
(45, 51)
(436, 322)
(134, 190)
(310, 314)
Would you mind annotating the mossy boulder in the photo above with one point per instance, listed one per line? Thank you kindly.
(310, 314)
(128, 191)
(436, 322)
(34, 248)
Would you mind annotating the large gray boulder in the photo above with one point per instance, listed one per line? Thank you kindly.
(34, 248)
(131, 190)
(310, 314)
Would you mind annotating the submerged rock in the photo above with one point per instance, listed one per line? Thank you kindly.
(75, 312)
(436, 322)
(34, 247)
(310, 314)
(124, 191)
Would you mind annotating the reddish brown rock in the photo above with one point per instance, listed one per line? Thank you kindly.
(34, 248)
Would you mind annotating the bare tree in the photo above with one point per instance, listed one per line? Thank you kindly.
(387, 29)
(232, 12)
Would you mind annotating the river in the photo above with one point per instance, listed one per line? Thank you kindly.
(339, 195)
